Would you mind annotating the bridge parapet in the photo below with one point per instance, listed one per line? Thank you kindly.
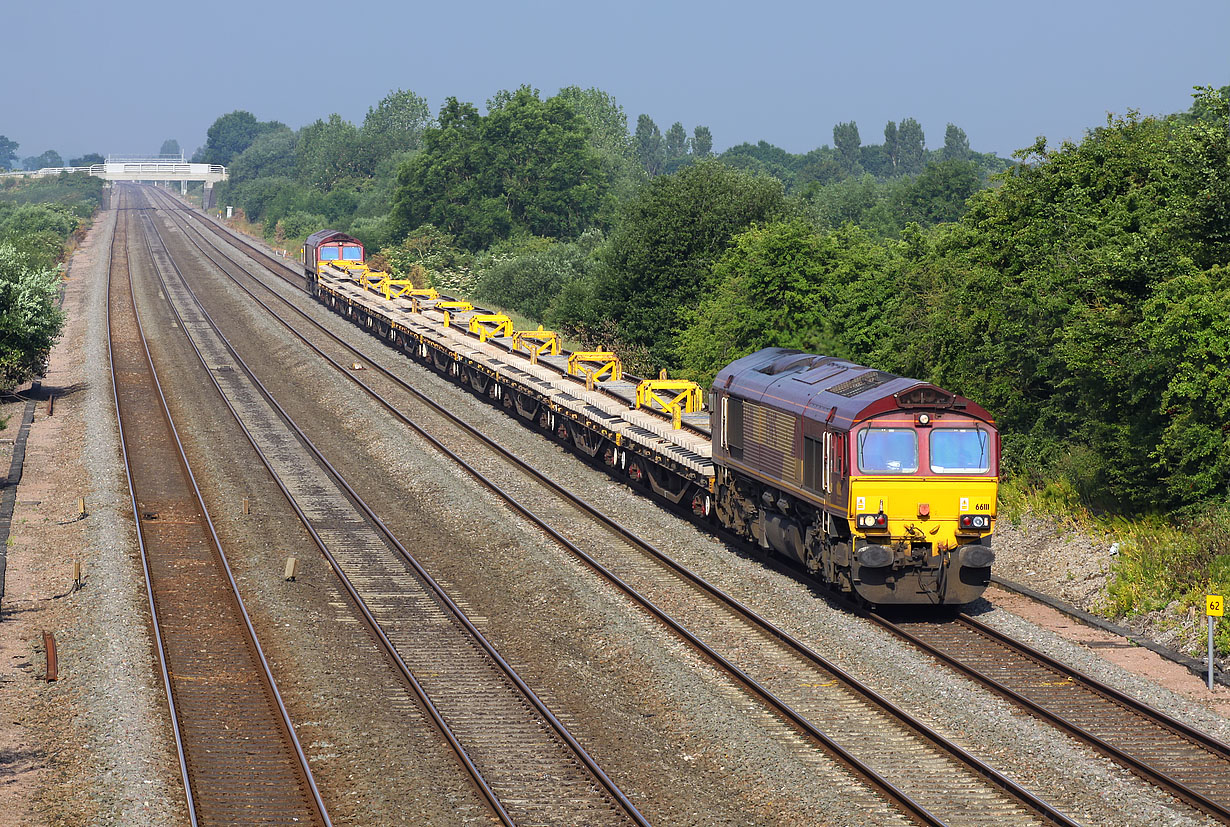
(137, 171)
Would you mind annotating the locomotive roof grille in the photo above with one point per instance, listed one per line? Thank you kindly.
(861, 384)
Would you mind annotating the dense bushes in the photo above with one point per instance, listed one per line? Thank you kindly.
(37, 218)
(1079, 295)
(1082, 300)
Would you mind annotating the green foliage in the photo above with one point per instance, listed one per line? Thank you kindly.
(1058, 302)
(885, 208)
(300, 224)
(956, 144)
(702, 142)
(77, 193)
(1186, 323)
(661, 253)
(328, 152)
(788, 284)
(87, 160)
(650, 150)
(36, 218)
(911, 147)
(8, 152)
(530, 282)
(393, 127)
(169, 148)
(271, 155)
(1160, 562)
(608, 136)
(939, 193)
(30, 320)
(847, 142)
(435, 254)
(525, 167)
(231, 134)
(50, 158)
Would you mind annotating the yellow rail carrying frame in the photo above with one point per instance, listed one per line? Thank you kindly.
(385, 284)
(536, 342)
(687, 396)
(595, 366)
(488, 325)
(451, 307)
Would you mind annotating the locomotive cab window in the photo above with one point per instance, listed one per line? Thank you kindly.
(888, 451)
(352, 252)
(960, 451)
(328, 253)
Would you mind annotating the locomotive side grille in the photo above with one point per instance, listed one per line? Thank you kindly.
(768, 441)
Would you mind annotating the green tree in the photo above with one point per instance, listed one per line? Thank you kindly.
(527, 166)
(87, 160)
(911, 147)
(530, 283)
(50, 158)
(939, 193)
(270, 155)
(1186, 324)
(393, 127)
(702, 142)
(790, 285)
(956, 144)
(30, 320)
(328, 152)
(231, 134)
(650, 150)
(170, 148)
(892, 147)
(660, 255)
(8, 152)
(675, 142)
(1041, 302)
(608, 135)
(608, 125)
(762, 158)
(847, 142)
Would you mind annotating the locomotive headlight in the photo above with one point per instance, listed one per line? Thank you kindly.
(872, 522)
(923, 420)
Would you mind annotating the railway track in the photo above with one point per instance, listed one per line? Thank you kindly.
(930, 779)
(522, 758)
(1184, 761)
(240, 760)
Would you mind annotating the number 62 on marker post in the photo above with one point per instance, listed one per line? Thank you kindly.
(1214, 605)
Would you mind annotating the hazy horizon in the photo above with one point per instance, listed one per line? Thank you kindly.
(784, 75)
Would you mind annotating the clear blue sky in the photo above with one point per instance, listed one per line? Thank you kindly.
(89, 77)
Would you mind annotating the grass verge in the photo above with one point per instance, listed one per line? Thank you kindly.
(1164, 565)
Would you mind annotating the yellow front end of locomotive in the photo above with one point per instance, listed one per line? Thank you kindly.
(942, 512)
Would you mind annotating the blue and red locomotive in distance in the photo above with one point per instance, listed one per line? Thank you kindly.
(880, 486)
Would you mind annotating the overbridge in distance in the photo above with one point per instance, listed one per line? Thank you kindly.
(144, 168)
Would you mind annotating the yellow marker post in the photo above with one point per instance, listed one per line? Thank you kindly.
(1214, 606)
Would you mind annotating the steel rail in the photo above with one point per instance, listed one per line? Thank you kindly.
(176, 727)
(1153, 775)
(296, 276)
(266, 677)
(885, 786)
(1108, 694)
(459, 614)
